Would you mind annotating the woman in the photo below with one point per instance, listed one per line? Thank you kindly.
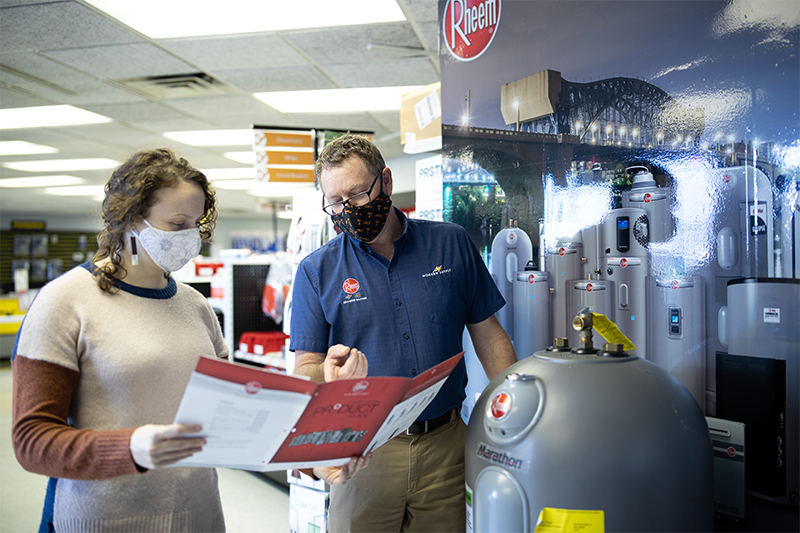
(103, 357)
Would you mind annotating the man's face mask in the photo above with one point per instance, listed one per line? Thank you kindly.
(364, 222)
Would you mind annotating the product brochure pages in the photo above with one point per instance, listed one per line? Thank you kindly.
(244, 424)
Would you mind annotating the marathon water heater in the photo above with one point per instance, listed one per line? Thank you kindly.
(511, 251)
(611, 440)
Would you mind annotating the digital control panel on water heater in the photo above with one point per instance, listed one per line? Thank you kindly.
(623, 234)
(675, 326)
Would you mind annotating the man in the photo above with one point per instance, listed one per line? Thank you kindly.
(401, 291)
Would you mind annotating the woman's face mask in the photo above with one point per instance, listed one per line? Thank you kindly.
(169, 250)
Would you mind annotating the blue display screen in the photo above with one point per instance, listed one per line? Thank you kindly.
(674, 319)
(622, 223)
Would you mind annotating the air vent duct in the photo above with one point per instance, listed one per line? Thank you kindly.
(178, 86)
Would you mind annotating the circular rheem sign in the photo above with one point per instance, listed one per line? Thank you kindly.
(501, 405)
(469, 26)
(350, 286)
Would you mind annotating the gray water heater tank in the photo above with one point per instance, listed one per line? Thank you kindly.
(608, 438)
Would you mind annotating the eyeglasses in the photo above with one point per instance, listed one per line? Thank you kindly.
(355, 200)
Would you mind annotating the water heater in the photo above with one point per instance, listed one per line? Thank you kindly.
(511, 251)
(676, 333)
(758, 382)
(531, 312)
(563, 263)
(625, 235)
(610, 440)
(656, 201)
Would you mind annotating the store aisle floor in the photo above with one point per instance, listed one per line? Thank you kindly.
(250, 502)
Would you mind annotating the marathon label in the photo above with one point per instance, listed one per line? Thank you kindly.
(502, 458)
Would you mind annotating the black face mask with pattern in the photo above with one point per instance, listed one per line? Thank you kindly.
(364, 222)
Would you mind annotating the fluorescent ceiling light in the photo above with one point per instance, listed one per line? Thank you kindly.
(62, 165)
(247, 158)
(41, 181)
(24, 148)
(252, 184)
(215, 174)
(47, 116)
(85, 190)
(212, 137)
(274, 193)
(185, 18)
(285, 214)
(337, 100)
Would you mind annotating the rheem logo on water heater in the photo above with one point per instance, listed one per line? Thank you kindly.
(468, 27)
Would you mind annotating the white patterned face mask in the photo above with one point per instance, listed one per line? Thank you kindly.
(169, 250)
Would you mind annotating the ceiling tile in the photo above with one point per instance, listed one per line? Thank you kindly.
(275, 79)
(232, 52)
(60, 25)
(384, 73)
(12, 97)
(422, 10)
(123, 61)
(348, 44)
(50, 79)
(136, 112)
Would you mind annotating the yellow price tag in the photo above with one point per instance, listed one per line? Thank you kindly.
(553, 520)
(610, 332)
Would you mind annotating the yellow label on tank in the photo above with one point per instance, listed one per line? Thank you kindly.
(553, 520)
(610, 332)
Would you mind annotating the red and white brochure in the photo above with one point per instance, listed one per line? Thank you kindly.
(259, 420)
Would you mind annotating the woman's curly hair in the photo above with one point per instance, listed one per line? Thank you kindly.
(129, 195)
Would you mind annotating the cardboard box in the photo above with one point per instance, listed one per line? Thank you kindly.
(421, 114)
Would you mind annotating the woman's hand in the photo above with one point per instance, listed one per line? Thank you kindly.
(341, 362)
(154, 446)
(338, 475)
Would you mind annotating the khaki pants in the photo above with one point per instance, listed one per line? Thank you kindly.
(413, 483)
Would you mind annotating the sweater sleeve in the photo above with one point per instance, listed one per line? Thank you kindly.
(45, 443)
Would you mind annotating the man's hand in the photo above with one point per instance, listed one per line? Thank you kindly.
(155, 446)
(344, 363)
(338, 475)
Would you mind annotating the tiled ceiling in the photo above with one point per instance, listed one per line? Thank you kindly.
(68, 52)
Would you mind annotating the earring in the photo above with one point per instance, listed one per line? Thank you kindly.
(134, 253)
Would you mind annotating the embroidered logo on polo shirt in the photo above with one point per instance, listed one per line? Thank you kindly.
(352, 290)
(437, 271)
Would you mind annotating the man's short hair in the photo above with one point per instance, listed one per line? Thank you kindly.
(339, 149)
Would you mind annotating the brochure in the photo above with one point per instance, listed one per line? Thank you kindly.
(260, 420)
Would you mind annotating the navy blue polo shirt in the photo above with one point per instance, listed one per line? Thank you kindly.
(407, 314)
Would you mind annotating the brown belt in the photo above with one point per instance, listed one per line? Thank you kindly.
(420, 427)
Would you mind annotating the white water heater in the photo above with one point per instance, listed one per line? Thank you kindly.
(511, 251)
(625, 236)
(676, 333)
(656, 201)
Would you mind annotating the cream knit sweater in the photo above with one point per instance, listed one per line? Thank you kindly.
(106, 364)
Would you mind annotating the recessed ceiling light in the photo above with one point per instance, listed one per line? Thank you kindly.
(247, 158)
(24, 148)
(62, 165)
(215, 174)
(185, 18)
(85, 190)
(337, 100)
(47, 116)
(41, 181)
(212, 137)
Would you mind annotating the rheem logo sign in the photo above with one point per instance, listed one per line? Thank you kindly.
(468, 27)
